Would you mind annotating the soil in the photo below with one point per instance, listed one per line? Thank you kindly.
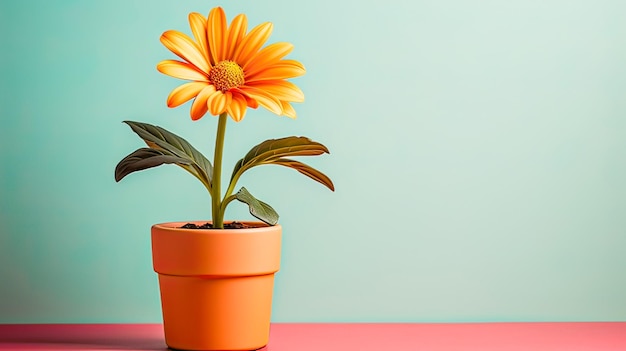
(231, 225)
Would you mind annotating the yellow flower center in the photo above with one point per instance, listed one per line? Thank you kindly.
(226, 75)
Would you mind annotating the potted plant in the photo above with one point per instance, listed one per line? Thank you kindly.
(216, 277)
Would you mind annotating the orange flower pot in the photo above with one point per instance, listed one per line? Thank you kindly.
(216, 284)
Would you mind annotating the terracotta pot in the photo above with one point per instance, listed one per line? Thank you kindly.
(216, 284)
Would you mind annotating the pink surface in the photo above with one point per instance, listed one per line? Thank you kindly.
(331, 337)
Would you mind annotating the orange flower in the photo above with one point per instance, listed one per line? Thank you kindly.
(228, 70)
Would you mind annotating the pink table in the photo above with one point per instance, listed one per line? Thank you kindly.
(337, 337)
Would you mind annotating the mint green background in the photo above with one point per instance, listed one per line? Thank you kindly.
(478, 150)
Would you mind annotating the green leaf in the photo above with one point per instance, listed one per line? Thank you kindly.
(171, 144)
(258, 209)
(307, 171)
(144, 158)
(272, 150)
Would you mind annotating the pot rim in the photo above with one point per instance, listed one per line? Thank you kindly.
(256, 226)
(215, 252)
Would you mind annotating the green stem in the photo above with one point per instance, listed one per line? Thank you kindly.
(226, 201)
(231, 187)
(218, 213)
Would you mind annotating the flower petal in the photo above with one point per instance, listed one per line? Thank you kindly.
(252, 43)
(199, 106)
(264, 99)
(185, 48)
(238, 107)
(197, 22)
(236, 33)
(267, 56)
(181, 70)
(281, 89)
(283, 69)
(229, 99)
(249, 101)
(288, 110)
(216, 34)
(184, 93)
(217, 102)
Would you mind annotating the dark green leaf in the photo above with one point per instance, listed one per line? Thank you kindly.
(307, 171)
(142, 159)
(258, 209)
(271, 150)
(171, 144)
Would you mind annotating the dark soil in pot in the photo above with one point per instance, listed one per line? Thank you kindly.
(231, 225)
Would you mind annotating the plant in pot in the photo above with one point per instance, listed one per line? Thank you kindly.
(216, 277)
